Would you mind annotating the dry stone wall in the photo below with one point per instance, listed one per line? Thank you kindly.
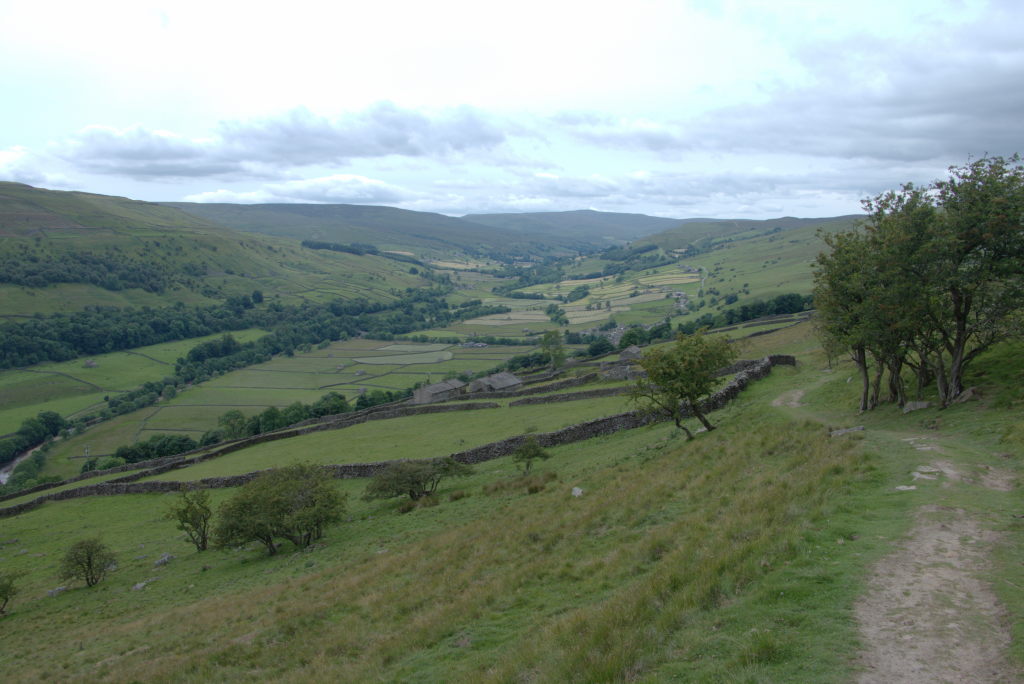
(487, 452)
(552, 387)
(571, 396)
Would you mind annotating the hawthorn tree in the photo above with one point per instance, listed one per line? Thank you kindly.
(295, 502)
(192, 514)
(551, 346)
(415, 479)
(8, 589)
(679, 376)
(528, 452)
(88, 560)
(931, 281)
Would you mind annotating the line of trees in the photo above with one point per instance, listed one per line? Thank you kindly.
(32, 432)
(931, 281)
(100, 330)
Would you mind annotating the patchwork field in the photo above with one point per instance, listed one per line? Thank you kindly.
(75, 387)
(349, 367)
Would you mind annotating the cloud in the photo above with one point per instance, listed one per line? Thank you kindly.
(19, 165)
(335, 189)
(937, 93)
(383, 129)
(265, 148)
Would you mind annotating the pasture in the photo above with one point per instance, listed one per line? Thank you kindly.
(76, 387)
(562, 577)
(349, 367)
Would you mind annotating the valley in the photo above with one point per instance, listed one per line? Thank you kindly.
(759, 551)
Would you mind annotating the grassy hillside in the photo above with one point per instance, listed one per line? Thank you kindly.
(423, 233)
(348, 367)
(63, 251)
(736, 557)
(583, 224)
(707, 234)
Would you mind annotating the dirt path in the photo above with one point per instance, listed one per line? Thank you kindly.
(791, 398)
(927, 617)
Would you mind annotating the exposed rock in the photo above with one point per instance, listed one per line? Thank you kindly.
(915, 406)
(969, 394)
(164, 559)
(576, 491)
(905, 488)
(836, 433)
(55, 592)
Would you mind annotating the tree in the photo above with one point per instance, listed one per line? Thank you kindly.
(8, 588)
(192, 514)
(679, 376)
(88, 560)
(637, 336)
(416, 479)
(931, 281)
(551, 346)
(528, 452)
(295, 502)
(602, 345)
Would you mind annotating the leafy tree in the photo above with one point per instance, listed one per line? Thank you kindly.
(637, 336)
(192, 514)
(529, 452)
(931, 282)
(551, 346)
(841, 296)
(415, 479)
(88, 560)
(8, 588)
(295, 502)
(678, 377)
(602, 345)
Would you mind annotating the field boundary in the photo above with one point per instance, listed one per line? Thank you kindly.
(573, 433)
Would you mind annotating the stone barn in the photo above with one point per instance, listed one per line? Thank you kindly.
(499, 382)
(439, 391)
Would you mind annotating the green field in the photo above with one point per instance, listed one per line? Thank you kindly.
(736, 557)
(76, 387)
(349, 367)
(426, 436)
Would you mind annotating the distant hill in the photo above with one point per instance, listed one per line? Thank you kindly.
(584, 224)
(63, 251)
(388, 228)
(704, 233)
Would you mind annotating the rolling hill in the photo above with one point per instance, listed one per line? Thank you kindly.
(424, 233)
(706, 233)
(63, 251)
(583, 224)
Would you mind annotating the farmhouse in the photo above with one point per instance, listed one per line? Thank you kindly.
(630, 353)
(439, 391)
(499, 382)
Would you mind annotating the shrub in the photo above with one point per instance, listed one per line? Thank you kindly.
(192, 514)
(295, 502)
(416, 479)
(88, 560)
(527, 453)
(8, 589)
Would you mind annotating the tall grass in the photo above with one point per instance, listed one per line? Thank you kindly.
(509, 586)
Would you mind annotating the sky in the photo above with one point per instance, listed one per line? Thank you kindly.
(723, 109)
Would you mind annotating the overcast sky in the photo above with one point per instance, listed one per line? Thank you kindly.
(682, 109)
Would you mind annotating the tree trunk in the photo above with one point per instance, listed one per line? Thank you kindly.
(876, 385)
(679, 424)
(897, 392)
(703, 420)
(860, 358)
